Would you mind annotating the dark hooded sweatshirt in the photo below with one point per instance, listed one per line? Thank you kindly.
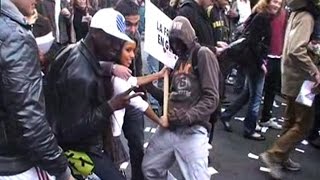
(194, 95)
(199, 21)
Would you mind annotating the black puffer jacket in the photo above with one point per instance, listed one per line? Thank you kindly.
(76, 97)
(26, 139)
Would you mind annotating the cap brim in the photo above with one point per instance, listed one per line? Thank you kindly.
(123, 37)
(119, 35)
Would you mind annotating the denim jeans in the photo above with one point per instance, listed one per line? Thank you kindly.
(186, 145)
(251, 94)
(104, 167)
(153, 67)
(133, 129)
(271, 87)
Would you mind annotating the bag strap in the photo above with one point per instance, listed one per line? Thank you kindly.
(194, 60)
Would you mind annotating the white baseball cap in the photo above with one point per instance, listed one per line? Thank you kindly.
(112, 22)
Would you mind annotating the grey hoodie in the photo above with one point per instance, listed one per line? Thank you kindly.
(194, 96)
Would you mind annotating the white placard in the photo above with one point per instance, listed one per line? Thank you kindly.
(157, 30)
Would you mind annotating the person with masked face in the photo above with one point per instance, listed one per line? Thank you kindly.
(80, 103)
(193, 97)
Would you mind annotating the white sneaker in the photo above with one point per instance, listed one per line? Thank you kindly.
(271, 124)
(258, 128)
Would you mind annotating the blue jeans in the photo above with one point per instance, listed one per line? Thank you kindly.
(186, 145)
(153, 67)
(251, 94)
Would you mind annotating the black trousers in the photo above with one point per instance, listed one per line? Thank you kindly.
(133, 129)
(272, 85)
(314, 134)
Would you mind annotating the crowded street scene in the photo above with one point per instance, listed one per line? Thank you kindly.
(159, 89)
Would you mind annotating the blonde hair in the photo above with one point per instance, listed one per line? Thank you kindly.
(261, 6)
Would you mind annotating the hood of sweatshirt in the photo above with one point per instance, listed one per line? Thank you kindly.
(182, 29)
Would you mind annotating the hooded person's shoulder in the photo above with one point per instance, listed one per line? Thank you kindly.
(206, 54)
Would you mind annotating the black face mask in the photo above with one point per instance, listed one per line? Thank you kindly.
(178, 47)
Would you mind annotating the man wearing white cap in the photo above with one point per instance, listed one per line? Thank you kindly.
(79, 104)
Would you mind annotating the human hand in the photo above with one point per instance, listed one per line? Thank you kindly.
(65, 12)
(121, 72)
(164, 122)
(264, 69)
(221, 47)
(71, 178)
(162, 72)
(122, 100)
(232, 14)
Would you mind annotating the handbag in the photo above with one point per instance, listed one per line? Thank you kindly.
(243, 51)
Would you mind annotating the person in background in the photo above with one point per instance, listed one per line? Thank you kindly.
(133, 126)
(29, 149)
(120, 85)
(82, 15)
(272, 84)
(314, 47)
(298, 117)
(258, 33)
(80, 103)
(58, 12)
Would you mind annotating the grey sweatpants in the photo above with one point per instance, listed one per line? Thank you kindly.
(188, 146)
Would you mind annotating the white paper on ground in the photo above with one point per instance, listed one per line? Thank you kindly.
(278, 135)
(275, 104)
(212, 171)
(253, 156)
(239, 118)
(145, 145)
(299, 150)
(44, 42)
(304, 142)
(280, 120)
(264, 169)
(147, 129)
(223, 109)
(283, 104)
(305, 95)
(153, 130)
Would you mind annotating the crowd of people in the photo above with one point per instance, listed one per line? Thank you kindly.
(63, 108)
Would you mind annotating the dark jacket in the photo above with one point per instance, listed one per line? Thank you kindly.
(77, 98)
(193, 96)
(26, 139)
(199, 21)
(258, 31)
